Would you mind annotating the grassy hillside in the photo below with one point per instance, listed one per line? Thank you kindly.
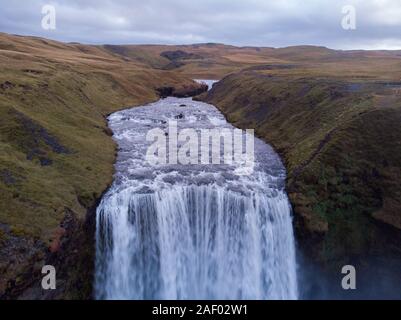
(203, 61)
(341, 143)
(214, 61)
(56, 153)
(334, 116)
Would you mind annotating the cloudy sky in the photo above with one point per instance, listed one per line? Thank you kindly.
(275, 23)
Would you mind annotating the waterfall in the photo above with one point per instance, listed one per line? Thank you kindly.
(192, 232)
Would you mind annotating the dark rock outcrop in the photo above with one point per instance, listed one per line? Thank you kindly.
(72, 253)
(37, 142)
(182, 92)
(180, 55)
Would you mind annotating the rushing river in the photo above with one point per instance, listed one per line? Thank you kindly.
(192, 231)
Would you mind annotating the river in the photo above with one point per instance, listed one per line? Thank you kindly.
(173, 231)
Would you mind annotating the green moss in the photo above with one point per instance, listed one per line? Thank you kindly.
(339, 148)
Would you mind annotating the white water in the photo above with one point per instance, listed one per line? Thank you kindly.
(192, 232)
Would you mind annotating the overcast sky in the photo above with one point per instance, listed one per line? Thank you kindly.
(272, 23)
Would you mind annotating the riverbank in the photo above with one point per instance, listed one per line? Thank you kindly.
(340, 144)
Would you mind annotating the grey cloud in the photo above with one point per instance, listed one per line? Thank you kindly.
(241, 22)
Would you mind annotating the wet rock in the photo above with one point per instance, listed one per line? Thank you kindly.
(108, 131)
(190, 90)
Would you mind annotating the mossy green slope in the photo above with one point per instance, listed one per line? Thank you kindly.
(341, 143)
(56, 152)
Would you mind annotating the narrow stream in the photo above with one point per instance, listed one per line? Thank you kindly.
(173, 231)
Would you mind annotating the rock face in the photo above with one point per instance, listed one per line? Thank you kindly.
(183, 91)
(71, 253)
(342, 151)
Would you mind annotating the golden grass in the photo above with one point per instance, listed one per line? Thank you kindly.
(67, 90)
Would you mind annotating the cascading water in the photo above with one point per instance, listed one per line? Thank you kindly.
(192, 231)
